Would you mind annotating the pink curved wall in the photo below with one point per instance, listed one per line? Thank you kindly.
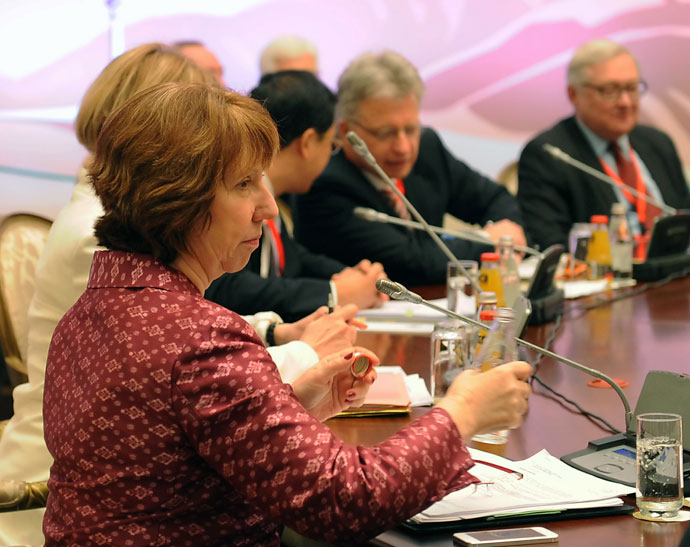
(494, 69)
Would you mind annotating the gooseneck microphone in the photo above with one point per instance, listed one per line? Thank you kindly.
(398, 291)
(361, 149)
(373, 215)
(566, 158)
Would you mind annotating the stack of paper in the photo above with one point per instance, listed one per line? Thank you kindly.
(393, 392)
(547, 485)
(406, 318)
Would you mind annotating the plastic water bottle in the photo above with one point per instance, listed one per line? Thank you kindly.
(621, 243)
(498, 347)
(509, 270)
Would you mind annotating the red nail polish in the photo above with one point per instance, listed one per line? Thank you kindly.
(348, 356)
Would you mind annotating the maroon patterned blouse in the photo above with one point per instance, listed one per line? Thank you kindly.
(169, 425)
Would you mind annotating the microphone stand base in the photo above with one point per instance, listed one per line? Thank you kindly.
(660, 267)
(547, 307)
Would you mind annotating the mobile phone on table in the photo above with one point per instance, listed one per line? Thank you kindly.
(505, 536)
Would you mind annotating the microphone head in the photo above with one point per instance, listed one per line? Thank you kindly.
(366, 213)
(355, 140)
(397, 291)
(359, 146)
(390, 288)
(554, 151)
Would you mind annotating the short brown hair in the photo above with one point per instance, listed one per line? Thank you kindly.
(160, 157)
(133, 71)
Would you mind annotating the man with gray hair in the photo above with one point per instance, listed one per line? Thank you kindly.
(289, 52)
(379, 97)
(604, 87)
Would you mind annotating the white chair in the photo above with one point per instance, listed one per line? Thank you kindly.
(22, 237)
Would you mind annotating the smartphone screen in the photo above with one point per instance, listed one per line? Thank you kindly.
(518, 533)
(509, 536)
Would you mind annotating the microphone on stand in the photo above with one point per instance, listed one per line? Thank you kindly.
(398, 291)
(361, 149)
(372, 215)
(661, 392)
(566, 158)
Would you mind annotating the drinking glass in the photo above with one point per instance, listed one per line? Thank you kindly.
(458, 287)
(659, 486)
(450, 354)
(578, 242)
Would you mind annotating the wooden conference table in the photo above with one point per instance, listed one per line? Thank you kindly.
(624, 339)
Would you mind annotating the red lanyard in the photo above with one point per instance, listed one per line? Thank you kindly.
(278, 243)
(639, 202)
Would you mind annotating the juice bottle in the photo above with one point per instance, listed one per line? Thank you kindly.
(599, 252)
(490, 276)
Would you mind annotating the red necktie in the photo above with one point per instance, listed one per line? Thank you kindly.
(628, 173)
(394, 199)
(278, 242)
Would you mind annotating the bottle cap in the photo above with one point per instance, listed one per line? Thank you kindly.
(599, 219)
(360, 366)
(505, 240)
(507, 314)
(487, 297)
(487, 315)
(490, 257)
(618, 208)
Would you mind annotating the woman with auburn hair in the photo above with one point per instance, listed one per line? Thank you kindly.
(167, 419)
(63, 270)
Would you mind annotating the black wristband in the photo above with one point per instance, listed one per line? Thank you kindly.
(270, 337)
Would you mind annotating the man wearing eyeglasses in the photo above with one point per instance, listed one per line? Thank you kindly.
(604, 86)
(379, 98)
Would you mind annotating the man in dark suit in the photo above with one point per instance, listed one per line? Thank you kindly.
(604, 87)
(282, 275)
(379, 98)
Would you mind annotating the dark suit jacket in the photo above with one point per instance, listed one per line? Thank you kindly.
(553, 195)
(437, 184)
(303, 287)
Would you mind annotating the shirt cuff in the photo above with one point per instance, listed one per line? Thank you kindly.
(260, 322)
(334, 293)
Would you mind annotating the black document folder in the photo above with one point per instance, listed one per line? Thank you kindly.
(462, 525)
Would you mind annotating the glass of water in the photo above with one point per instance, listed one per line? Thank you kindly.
(459, 290)
(450, 354)
(659, 486)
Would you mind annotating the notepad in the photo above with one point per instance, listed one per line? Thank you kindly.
(387, 396)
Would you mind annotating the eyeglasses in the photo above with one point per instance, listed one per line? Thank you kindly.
(389, 134)
(613, 92)
(512, 476)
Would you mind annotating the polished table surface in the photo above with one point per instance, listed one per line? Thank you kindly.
(624, 338)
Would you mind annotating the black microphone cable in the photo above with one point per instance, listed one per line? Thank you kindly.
(558, 395)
